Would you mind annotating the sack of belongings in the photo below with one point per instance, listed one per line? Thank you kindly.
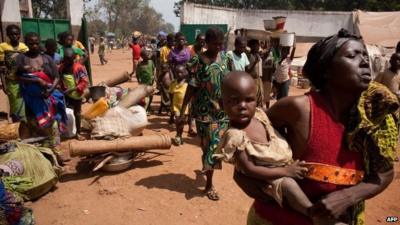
(120, 122)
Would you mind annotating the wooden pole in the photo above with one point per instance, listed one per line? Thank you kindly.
(138, 143)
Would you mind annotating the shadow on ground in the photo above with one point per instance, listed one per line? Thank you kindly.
(176, 182)
(159, 122)
(83, 169)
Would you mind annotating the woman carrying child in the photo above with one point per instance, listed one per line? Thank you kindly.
(45, 108)
(251, 138)
(330, 126)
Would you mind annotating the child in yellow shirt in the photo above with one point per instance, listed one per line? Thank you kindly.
(177, 91)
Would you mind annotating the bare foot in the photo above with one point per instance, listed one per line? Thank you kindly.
(212, 194)
(80, 137)
(178, 141)
(192, 133)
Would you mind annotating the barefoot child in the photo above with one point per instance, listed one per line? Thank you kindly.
(177, 91)
(145, 74)
(256, 148)
(73, 83)
(164, 81)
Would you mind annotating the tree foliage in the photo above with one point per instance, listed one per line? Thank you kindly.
(124, 16)
(326, 5)
(117, 16)
(54, 9)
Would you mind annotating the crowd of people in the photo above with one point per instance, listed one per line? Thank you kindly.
(227, 94)
(343, 126)
(41, 82)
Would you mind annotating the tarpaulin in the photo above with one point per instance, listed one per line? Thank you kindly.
(380, 28)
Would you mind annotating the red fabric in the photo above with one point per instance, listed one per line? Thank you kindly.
(135, 51)
(325, 145)
(81, 77)
(82, 81)
(43, 76)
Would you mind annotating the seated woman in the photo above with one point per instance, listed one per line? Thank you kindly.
(316, 126)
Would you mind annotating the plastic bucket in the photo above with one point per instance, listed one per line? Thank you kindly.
(96, 92)
(269, 24)
(286, 39)
(280, 22)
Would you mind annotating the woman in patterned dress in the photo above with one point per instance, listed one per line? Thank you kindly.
(206, 71)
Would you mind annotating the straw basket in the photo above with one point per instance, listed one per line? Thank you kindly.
(9, 131)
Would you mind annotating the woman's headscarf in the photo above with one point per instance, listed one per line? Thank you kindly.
(321, 54)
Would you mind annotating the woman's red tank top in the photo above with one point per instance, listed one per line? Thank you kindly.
(325, 145)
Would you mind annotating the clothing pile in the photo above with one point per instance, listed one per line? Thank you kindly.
(114, 120)
(27, 172)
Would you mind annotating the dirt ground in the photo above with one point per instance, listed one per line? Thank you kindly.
(164, 187)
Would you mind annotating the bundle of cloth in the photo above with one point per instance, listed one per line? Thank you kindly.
(45, 109)
(373, 127)
(12, 210)
(28, 171)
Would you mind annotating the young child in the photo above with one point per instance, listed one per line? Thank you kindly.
(164, 81)
(145, 74)
(51, 50)
(177, 91)
(256, 148)
(73, 83)
(66, 40)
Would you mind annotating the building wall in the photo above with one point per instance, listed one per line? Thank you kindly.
(75, 11)
(10, 11)
(303, 23)
(9, 15)
(75, 14)
(25, 7)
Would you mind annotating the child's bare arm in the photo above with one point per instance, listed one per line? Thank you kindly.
(295, 170)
